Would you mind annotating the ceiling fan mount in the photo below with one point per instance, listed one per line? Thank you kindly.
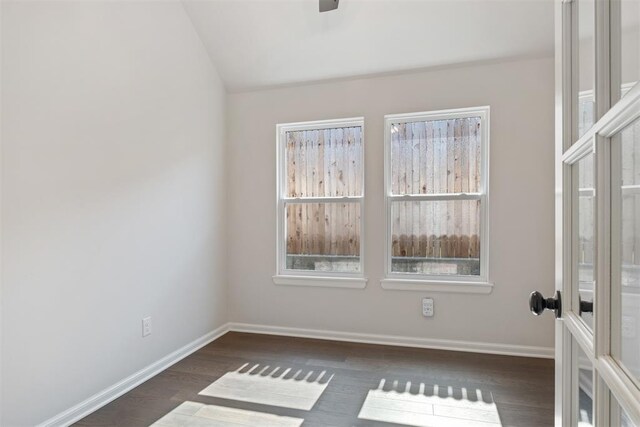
(327, 5)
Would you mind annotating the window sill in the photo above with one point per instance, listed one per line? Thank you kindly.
(461, 287)
(323, 282)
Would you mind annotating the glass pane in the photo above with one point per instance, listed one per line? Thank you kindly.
(323, 236)
(324, 163)
(436, 237)
(625, 420)
(586, 65)
(629, 262)
(585, 388)
(436, 156)
(586, 242)
(629, 44)
(619, 417)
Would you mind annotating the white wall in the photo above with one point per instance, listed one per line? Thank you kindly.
(520, 94)
(113, 189)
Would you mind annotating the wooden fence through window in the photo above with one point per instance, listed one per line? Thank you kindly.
(428, 157)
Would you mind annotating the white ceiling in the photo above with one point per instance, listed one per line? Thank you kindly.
(261, 43)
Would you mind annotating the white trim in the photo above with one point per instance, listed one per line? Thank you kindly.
(397, 340)
(100, 399)
(563, 131)
(578, 151)
(322, 199)
(602, 217)
(321, 124)
(483, 196)
(580, 332)
(454, 286)
(456, 113)
(316, 278)
(435, 197)
(622, 387)
(616, 118)
(620, 117)
(323, 282)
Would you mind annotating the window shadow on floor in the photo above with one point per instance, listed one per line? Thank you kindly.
(257, 394)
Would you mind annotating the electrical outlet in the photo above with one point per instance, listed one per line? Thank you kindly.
(628, 327)
(427, 307)
(146, 326)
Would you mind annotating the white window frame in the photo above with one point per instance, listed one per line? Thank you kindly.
(286, 276)
(440, 283)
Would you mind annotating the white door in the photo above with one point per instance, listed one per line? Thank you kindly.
(597, 213)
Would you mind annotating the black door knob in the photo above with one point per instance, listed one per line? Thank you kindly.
(538, 303)
(585, 306)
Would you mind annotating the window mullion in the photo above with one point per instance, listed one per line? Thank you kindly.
(434, 197)
(347, 199)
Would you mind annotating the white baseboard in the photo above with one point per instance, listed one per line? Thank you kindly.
(100, 399)
(439, 344)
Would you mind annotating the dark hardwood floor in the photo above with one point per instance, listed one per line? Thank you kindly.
(261, 380)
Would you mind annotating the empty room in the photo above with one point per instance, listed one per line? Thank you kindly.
(319, 213)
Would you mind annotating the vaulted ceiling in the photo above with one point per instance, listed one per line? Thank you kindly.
(262, 43)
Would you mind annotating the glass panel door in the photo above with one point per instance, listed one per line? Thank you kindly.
(584, 389)
(628, 32)
(598, 214)
(626, 267)
(586, 62)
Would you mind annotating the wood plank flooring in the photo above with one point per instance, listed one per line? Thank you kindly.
(261, 380)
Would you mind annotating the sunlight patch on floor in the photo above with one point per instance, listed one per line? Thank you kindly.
(284, 388)
(194, 414)
(430, 406)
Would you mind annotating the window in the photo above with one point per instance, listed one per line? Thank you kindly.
(436, 175)
(320, 203)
